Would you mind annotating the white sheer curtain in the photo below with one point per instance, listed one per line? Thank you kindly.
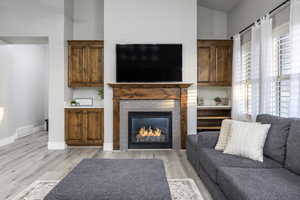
(267, 70)
(237, 97)
(255, 70)
(294, 105)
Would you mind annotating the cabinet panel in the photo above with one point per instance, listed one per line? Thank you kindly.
(204, 56)
(214, 62)
(95, 127)
(95, 69)
(223, 64)
(76, 59)
(74, 127)
(84, 126)
(211, 119)
(85, 64)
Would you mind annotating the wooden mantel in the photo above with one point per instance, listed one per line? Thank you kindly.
(150, 85)
(149, 91)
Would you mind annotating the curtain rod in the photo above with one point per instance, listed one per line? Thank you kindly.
(258, 20)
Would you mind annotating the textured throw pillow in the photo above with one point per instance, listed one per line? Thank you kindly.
(247, 140)
(224, 136)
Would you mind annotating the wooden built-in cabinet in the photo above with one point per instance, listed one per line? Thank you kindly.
(84, 126)
(85, 64)
(214, 62)
(211, 119)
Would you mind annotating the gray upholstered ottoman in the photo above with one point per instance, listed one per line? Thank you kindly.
(108, 179)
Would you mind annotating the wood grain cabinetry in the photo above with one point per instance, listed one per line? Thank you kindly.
(85, 64)
(214, 62)
(211, 119)
(84, 126)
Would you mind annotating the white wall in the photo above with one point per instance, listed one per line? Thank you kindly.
(68, 35)
(155, 21)
(26, 87)
(42, 18)
(88, 25)
(211, 24)
(247, 12)
(88, 19)
(5, 59)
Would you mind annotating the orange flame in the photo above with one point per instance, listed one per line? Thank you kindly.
(144, 132)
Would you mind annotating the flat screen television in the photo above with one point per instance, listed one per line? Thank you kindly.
(149, 63)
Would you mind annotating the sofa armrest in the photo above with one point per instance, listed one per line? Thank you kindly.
(208, 139)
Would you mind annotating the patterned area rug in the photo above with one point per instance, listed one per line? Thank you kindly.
(181, 189)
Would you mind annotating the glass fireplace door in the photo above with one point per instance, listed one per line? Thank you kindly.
(149, 130)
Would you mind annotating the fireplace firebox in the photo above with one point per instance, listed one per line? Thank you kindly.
(149, 130)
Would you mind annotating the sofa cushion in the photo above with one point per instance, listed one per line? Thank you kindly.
(208, 139)
(259, 184)
(211, 160)
(191, 149)
(275, 145)
(293, 148)
(192, 140)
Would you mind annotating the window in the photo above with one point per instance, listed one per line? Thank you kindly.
(246, 77)
(282, 70)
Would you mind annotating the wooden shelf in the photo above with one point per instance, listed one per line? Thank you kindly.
(214, 117)
(209, 127)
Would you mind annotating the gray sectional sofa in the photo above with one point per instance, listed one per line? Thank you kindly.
(229, 177)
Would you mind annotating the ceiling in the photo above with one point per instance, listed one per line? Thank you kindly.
(223, 5)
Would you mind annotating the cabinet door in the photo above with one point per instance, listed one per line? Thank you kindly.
(94, 65)
(76, 65)
(85, 64)
(214, 62)
(74, 127)
(204, 64)
(223, 65)
(95, 128)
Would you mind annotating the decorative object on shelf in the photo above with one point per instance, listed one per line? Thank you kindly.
(200, 101)
(74, 103)
(84, 101)
(101, 93)
(221, 101)
(218, 101)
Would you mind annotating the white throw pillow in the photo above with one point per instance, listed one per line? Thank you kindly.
(224, 136)
(247, 140)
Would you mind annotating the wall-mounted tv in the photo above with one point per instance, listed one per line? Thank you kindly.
(149, 63)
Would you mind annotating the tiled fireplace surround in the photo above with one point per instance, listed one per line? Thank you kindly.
(149, 97)
(127, 106)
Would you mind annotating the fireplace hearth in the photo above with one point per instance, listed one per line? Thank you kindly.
(149, 130)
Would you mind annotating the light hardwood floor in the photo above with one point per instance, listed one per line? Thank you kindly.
(28, 160)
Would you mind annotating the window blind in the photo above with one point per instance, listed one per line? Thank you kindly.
(246, 76)
(283, 69)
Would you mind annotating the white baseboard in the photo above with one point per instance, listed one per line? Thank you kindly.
(56, 145)
(7, 141)
(21, 132)
(28, 130)
(108, 147)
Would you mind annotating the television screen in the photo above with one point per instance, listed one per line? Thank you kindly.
(149, 63)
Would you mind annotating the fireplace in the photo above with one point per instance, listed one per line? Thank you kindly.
(149, 130)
